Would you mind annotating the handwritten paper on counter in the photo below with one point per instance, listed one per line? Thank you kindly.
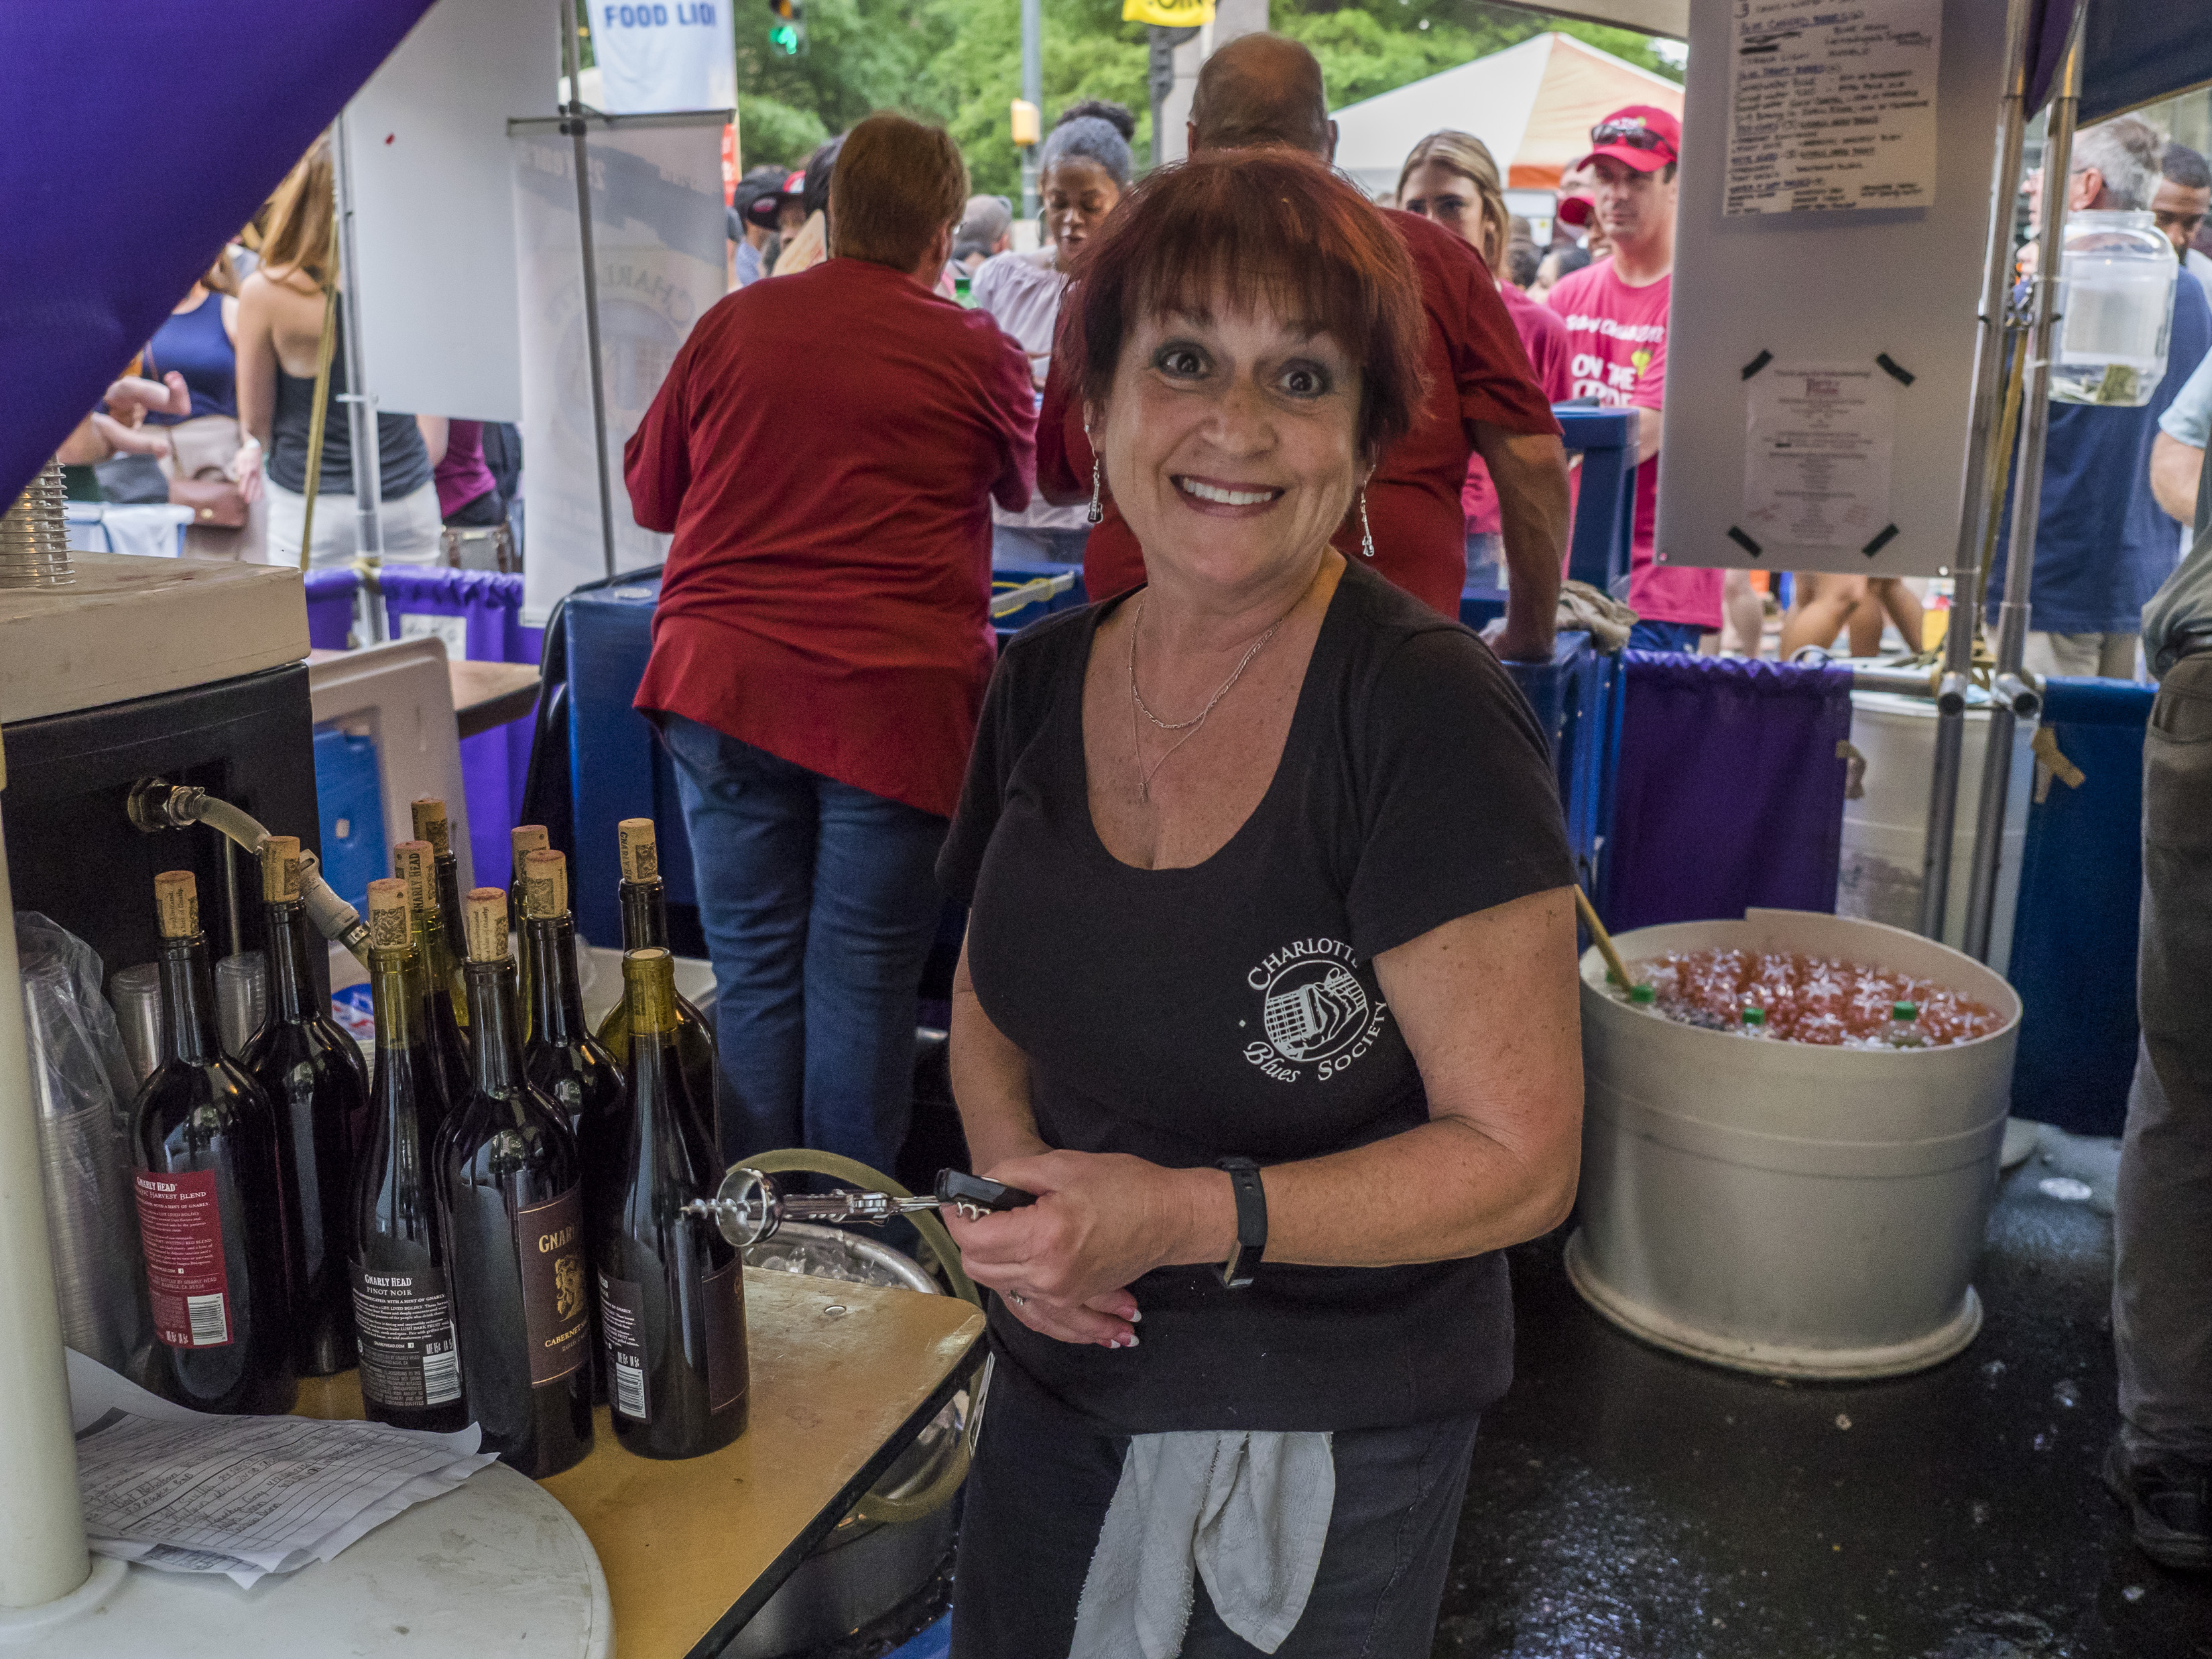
(1832, 107)
(185, 1492)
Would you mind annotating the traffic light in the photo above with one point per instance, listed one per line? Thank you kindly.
(787, 35)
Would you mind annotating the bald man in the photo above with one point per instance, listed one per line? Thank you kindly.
(1262, 90)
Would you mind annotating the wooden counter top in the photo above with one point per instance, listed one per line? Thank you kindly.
(843, 1377)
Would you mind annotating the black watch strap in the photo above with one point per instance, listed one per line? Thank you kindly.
(1251, 1222)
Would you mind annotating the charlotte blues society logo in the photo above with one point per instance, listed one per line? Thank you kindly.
(1313, 1010)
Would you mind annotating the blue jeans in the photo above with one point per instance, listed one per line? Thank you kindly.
(819, 903)
(1665, 636)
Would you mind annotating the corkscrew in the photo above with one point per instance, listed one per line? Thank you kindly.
(751, 1207)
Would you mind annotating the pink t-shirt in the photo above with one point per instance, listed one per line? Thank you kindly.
(1545, 339)
(1617, 336)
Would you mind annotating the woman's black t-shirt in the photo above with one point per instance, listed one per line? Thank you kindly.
(1232, 1008)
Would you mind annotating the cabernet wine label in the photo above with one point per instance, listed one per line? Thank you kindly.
(545, 883)
(483, 919)
(280, 870)
(649, 982)
(555, 1300)
(177, 903)
(621, 1321)
(407, 1354)
(640, 849)
(410, 862)
(526, 839)
(728, 1374)
(431, 825)
(388, 925)
(180, 1225)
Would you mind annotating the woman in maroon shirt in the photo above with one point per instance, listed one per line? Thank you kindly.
(826, 448)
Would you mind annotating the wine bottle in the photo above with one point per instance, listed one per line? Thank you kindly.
(522, 840)
(312, 1072)
(431, 825)
(411, 863)
(411, 1373)
(210, 1192)
(672, 1291)
(645, 927)
(510, 1203)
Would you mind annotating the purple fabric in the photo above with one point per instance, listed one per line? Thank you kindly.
(135, 141)
(1730, 792)
(2046, 43)
(491, 774)
(330, 608)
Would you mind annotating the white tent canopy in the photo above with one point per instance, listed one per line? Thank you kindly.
(1533, 104)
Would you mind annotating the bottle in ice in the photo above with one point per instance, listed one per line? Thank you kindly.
(411, 1373)
(312, 1072)
(1904, 1029)
(431, 825)
(414, 863)
(522, 840)
(671, 1288)
(510, 1196)
(645, 926)
(209, 1183)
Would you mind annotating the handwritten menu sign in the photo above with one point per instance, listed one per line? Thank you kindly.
(1831, 106)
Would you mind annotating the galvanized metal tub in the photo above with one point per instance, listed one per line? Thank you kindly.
(1779, 1207)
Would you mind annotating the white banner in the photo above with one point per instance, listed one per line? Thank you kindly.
(656, 55)
(657, 232)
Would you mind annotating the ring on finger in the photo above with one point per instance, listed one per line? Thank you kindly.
(1018, 1298)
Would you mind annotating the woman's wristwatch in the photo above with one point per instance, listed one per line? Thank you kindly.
(1251, 1222)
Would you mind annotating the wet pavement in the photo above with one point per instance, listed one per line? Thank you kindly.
(1627, 1503)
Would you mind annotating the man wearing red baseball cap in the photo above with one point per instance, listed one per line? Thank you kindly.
(1616, 317)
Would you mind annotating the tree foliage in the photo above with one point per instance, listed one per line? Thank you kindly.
(958, 62)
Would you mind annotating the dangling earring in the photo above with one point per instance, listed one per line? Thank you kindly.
(1366, 530)
(1097, 473)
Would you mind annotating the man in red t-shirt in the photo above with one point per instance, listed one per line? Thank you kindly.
(1261, 90)
(1616, 317)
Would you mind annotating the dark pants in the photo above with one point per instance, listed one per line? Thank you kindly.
(1037, 1496)
(819, 903)
(2162, 1218)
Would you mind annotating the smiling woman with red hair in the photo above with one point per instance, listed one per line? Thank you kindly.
(1269, 985)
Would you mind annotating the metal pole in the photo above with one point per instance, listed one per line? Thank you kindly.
(1033, 91)
(42, 1553)
(1981, 461)
(575, 126)
(2014, 697)
(361, 403)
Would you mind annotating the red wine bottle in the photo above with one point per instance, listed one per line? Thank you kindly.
(510, 1196)
(210, 1192)
(561, 1058)
(431, 825)
(645, 927)
(411, 1369)
(672, 1288)
(312, 1072)
(412, 861)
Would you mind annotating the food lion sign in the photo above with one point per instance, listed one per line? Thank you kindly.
(657, 56)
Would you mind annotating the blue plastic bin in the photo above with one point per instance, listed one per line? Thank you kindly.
(350, 803)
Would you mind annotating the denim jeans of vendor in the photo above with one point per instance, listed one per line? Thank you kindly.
(1044, 1473)
(1666, 636)
(2162, 1218)
(819, 902)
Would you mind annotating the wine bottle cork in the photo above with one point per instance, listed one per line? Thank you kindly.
(410, 862)
(431, 825)
(389, 928)
(177, 903)
(640, 849)
(280, 870)
(649, 983)
(527, 838)
(545, 883)
(483, 914)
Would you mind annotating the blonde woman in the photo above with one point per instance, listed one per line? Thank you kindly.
(1451, 180)
(280, 326)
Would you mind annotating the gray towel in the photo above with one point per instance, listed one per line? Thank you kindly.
(1247, 1511)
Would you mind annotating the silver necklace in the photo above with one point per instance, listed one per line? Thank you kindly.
(1191, 727)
